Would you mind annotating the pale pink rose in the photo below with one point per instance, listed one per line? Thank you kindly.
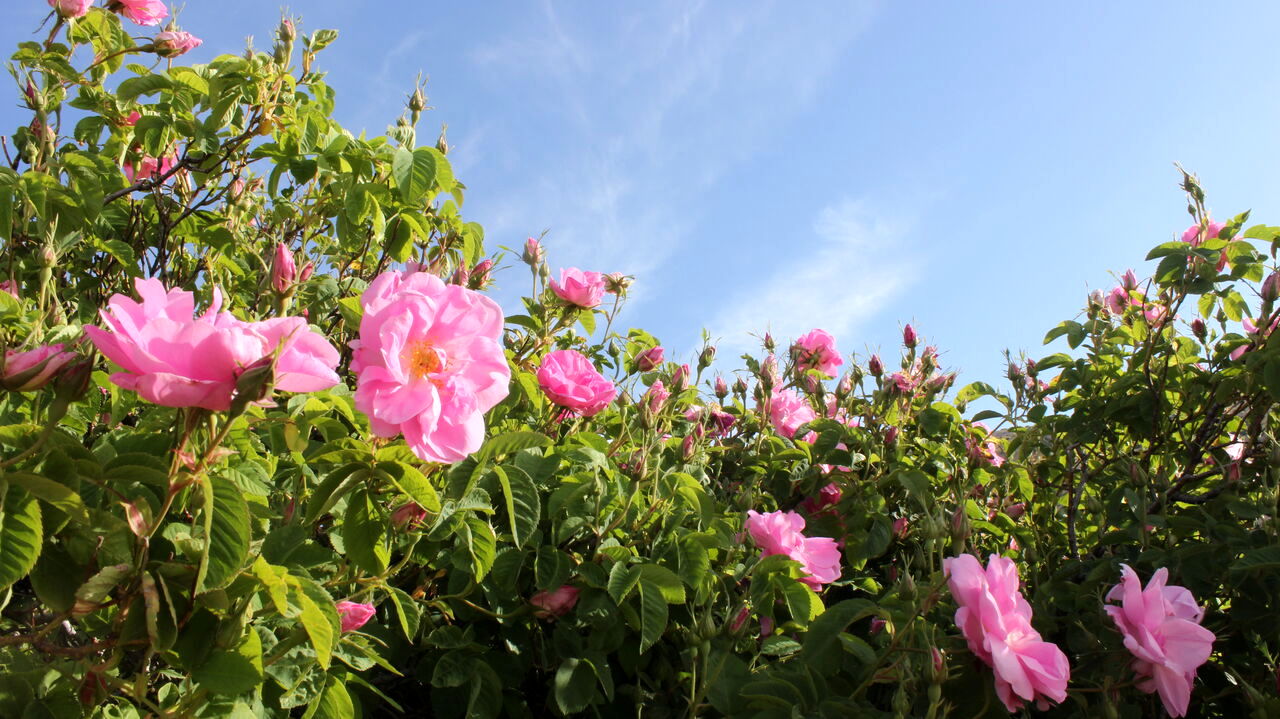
(10, 286)
(571, 381)
(429, 363)
(578, 287)
(1129, 280)
(172, 43)
(175, 359)
(817, 350)
(1161, 628)
(647, 360)
(33, 369)
(283, 269)
(354, 615)
(781, 533)
(788, 410)
(693, 413)
(996, 623)
(1118, 300)
(555, 603)
(148, 167)
(1192, 234)
(1155, 314)
(142, 12)
(71, 8)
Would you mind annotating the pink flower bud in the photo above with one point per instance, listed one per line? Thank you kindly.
(845, 387)
(875, 366)
(460, 276)
(1271, 287)
(768, 342)
(533, 252)
(131, 119)
(33, 369)
(1129, 280)
(936, 657)
(740, 619)
(555, 603)
(722, 388)
(687, 447)
(354, 615)
(616, 283)
(1016, 510)
(877, 625)
(909, 338)
(1199, 329)
(657, 395)
(172, 43)
(480, 275)
(740, 386)
(647, 360)
(891, 436)
(680, 380)
(408, 516)
(305, 274)
(1155, 314)
(283, 269)
(71, 8)
(900, 527)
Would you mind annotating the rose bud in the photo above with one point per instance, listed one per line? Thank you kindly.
(283, 269)
(354, 615)
(480, 275)
(555, 603)
(647, 360)
(875, 366)
(616, 283)
(533, 252)
(722, 388)
(909, 338)
(172, 43)
(1129, 280)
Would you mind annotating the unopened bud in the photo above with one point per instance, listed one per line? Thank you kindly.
(1271, 287)
(769, 373)
(306, 272)
(740, 387)
(48, 258)
(811, 384)
(722, 388)
(441, 143)
(891, 436)
(687, 447)
(647, 360)
(533, 252)
(1129, 280)
(706, 358)
(418, 100)
(616, 283)
(1199, 329)
(283, 269)
(254, 384)
(875, 366)
(909, 338)
(680, 379)
(480, 275)
(460, 276)
(408, 516)
(769, 345)
(900, 527)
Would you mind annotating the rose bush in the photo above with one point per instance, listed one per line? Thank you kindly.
(353, 485)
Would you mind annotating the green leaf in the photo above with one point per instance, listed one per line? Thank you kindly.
(226, 529)
(574, 685)
(779, 646)
(233, 671)
(1257, 560)
(96, 590)
(802, 602)
(509, 443)
(335, 484)
(407, 610)
(665, 581)
(551, 568)
(653, 614)
(318, 615)
(134, 87)
(20, 536)
(364, 534)
(414, 173)
(821, 641)
(482, 545)
(54, 493)
(524, 504)
(622, 579)
(333, 703)
(413, 483)
(917, 485)
(272, 579)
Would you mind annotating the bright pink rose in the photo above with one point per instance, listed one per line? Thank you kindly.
(33, 369)
(903, 382)
(172, 43)
(142, 12)
(148, 167)
(781, 533)
(10, 286)
(429, 363)
(1161, 628)
(71, 8)
(131, 119)
(570, 380)
(354, 615)
(817, 350)
(996, 622)
(788, 410)
(1118, 300)
(555, 603)
(283, 269)
(647, 360)
(584, 289)
(1192, 234)
(175, 359)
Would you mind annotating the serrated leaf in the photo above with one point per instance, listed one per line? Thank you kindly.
(364, 534)
(414, 172)
(653, 614)
(233, 671)
(820, 642)
(665, 581)
(318, 615)
(20, 536)
(333, 703)
(574, 685)
(226, 527)
(272, 579)
(523, 503)
(622, 579)
(51, 492)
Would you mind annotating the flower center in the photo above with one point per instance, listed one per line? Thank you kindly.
(423, 359)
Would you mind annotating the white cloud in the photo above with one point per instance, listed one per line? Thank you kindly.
(853, 267)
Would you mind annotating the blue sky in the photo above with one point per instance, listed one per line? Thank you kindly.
(974, 168)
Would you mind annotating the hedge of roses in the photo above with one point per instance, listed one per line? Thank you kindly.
(270, 450)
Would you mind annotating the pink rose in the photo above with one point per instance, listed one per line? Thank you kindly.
(429, 363)
(408, 516)
(142, 12)
(555, 603)
(788, 410)
(827, 496)
(354, 615)
(817, 350)
(71, 8)
(175, 359)
(570, 380)
(33, 369)
(996, 623)
(10, 286)
(1193, 237)
(1161, 628)
(584, 289)
(148, 167)
(1129, 280)
(172, 43)
(131, 119)
(656, 396)
(647, 360)
(781, 533)
(1118, 300)
(283, 269)
(1155, 314)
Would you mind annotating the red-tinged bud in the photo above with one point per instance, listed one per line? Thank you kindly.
(769, 345)
(33, 369)
(29, 92)
(1271, 287)
(460, 276)
(707, 357)
(680, 380)
(845, 387)
(891, 436)
(740, 387)
(481, 275)
(649, 359)
(900, 527)
(909, 338)
(875, 366)
(408, 516)
(1016, 510)
(555, 603)
(687, 447)
(306, 272)
(722, 388)
(284, 270)
(534, 253)
(1129, 280)
(1031, 368)
(769, 373)
(1199, 329)
(935, 657)
(877, 625)
(740, 619)
(811, 384)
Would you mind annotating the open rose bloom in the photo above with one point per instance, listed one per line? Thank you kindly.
(996, 623)
(817, 350)
(142, 12)
(571, 381)
(579, 287)
(1161, 628)
(782, 533)
(429, 363)
(175, 359)
(788, 410)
